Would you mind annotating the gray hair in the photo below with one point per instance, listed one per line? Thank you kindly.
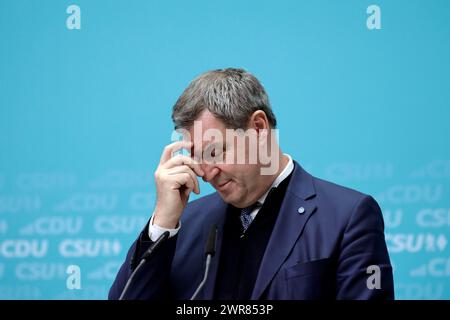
(232, 95)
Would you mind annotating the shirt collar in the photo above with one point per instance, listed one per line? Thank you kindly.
(283, 175)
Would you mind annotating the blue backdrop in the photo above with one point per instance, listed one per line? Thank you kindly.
(85, 104)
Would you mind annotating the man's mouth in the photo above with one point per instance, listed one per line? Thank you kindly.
(223, 184)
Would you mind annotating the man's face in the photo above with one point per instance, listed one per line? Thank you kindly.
(237, 184)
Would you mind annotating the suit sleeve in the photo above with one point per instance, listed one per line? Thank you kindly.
(152, 280)
(364, 270)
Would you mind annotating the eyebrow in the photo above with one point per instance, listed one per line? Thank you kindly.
(216, 145)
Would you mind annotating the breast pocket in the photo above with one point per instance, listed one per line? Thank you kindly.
(311, 280)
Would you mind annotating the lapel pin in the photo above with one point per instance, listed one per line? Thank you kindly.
(301, 210)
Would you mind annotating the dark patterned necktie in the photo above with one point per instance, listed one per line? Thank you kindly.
(246, 218)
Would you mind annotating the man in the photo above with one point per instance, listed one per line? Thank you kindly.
(281, 233)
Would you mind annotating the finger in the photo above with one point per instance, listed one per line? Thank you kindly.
(173, 147)
(186, 169)
(184, 179)
(180, 160)
(186, 193)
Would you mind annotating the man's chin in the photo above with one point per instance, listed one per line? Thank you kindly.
(228, 197)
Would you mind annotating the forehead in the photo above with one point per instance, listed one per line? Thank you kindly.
(207, 125)
(209, 121)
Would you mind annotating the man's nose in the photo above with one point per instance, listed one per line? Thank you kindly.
(210, 172)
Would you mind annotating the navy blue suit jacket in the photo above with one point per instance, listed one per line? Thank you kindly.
(322, 253)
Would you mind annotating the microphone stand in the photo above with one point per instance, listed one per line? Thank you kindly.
(155, 245)
(210, 250)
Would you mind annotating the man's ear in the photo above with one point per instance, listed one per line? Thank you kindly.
(258, 121)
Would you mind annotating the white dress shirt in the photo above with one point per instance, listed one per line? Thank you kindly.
(155, 231)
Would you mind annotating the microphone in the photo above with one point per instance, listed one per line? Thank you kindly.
(210, 250)
(155, 245)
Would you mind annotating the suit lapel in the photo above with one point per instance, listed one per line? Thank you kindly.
(297, 207)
